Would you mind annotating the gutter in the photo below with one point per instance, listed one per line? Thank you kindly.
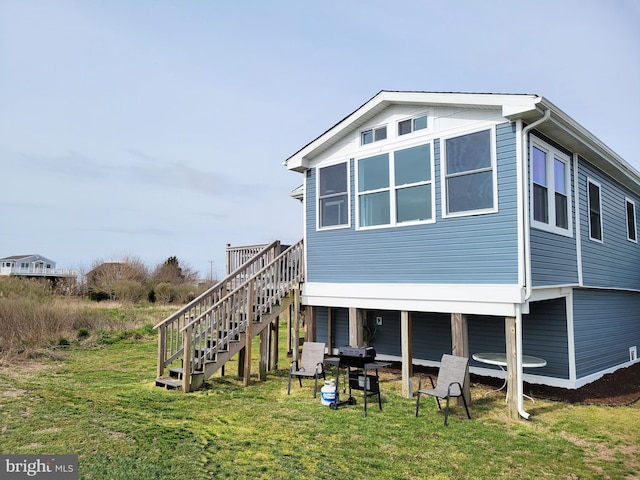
(527, 257)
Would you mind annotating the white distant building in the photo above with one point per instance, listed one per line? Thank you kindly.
(32, 266)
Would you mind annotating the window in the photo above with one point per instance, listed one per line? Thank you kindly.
(395, 188)
(333, 198)
(469, 173)
(595, 210)
(373, 189)
(373, 135)
(412, 124)
(550, 180)
(631, 220)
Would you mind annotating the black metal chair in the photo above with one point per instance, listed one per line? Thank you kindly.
(450, 383)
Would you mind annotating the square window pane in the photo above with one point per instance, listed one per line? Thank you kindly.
(374, 209)
(559, 176)
(562, 218)
(420, 123)
(373, 173)
(469, 152)
(540, 204)
(404, 127)
(470, 192)
(380, 133)
(539, 161)
(333, 211)
(414, 203)
(366, 137)
(333, 179)
(413, 165)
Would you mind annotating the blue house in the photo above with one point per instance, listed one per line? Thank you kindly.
(465, 223)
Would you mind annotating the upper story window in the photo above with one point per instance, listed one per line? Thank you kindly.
(412, 124)
(469, 174)
(595, 210)
(333, 196)
(395, 188)
(631, 220)
(550, 187)
(373, 135)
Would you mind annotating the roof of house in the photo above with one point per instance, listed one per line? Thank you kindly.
(526, 107)
(17, 257)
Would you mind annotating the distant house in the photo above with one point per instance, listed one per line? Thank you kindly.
(472, 222)
(34, 266)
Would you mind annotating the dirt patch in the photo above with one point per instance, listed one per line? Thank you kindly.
(621, 387)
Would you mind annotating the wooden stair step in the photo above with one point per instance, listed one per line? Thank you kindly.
(168, 383)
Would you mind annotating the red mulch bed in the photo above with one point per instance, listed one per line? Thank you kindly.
(621, 387)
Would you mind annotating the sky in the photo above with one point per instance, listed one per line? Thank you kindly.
(157, 128)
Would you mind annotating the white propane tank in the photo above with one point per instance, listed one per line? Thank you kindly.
(328, 392)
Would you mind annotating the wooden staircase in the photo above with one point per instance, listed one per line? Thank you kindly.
(197, 340)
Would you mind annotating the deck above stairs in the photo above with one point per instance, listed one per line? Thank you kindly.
(200, 338)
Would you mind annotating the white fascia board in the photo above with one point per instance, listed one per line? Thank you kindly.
(468, 299)
(512, 103)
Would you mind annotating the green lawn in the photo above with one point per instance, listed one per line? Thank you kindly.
(101, 403)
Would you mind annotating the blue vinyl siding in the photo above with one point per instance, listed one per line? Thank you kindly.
(615, 262)
(340, 327)
(606, 323)
(553, 259)
(478, 249)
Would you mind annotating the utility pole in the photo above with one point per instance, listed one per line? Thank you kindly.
(211, 271)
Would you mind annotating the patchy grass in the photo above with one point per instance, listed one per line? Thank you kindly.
(101, 404)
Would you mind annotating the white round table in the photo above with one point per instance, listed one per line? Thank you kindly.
(500, 359)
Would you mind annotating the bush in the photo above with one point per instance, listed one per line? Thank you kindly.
(128, 291)
(165, 292)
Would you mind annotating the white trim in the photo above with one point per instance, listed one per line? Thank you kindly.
(319, 227)
(571, 341)
(499, 300)
(443, 172)
(576, 202)
(635, 223)
(521, 211)
(551, 154)
(599, 185)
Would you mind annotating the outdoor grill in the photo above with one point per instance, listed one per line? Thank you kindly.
(356, 357)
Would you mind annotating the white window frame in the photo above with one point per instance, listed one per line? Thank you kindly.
(393, 188)
(413, 119)
(444, 176)
(551, 155)
(318, 197)
(591, 181)
(373, 132)
(628, 201)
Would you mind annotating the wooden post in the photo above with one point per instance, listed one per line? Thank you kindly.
(162, 348)
(406, 342)
(186, 359)
(296, 324)
(264, 354)
(275, 335)
(310, 316)
(289, 334)
(248, 334)
(512, 368)
(355, 327)
(241, 361)
(329, 331)
(460, 347)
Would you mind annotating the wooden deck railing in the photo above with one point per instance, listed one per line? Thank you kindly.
(170, 338)
(204, 327)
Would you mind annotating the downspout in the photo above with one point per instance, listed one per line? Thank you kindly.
(527, 255)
